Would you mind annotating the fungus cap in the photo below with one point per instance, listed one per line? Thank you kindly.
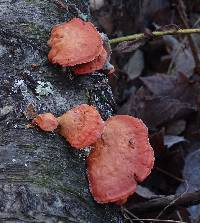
(74, 42)
(96, 64)
(81, 126)
(120, 158)
(46, 122)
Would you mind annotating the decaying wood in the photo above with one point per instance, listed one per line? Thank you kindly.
(42, 179)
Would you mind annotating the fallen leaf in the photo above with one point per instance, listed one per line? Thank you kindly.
(176, 127)
(164, 98)
(170, 27)
(129, 46)
(155, 110)
(176, 87)
(191, 173)
(182, 59)
(96, 4)
(170, 140)
(135, 65)
(144, 192)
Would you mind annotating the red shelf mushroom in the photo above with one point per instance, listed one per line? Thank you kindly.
(120, 158)
(79, 45)
(46, 122)
(121, 155)
(81, 126)
(96, 64)
(74, 42)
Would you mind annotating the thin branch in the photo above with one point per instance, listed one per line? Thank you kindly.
(141, 36)
(159, 220)
(188, 199)
(174, 201)
(151, 219)
(197, 22)
(170, 175)
(181, 9)
(125, 212)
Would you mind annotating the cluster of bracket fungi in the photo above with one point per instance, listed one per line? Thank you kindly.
(77, 44)
(121, 154)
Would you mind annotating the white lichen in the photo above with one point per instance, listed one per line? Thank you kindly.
(6, 110)
(44, 88)
(18, 83)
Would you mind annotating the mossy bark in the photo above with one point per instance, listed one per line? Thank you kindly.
(42, 179)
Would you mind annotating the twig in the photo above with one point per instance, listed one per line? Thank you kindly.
(170, 174)
(197, 22)
(181, 9)
(174, 201)
(151, 219)
(159, 220)
(123, 210)
(179, 215)
(176, 53)
(177, 198)
(141, 36)
(188, 199)
(127, 217)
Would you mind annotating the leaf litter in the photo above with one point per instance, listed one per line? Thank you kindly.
(163, 89)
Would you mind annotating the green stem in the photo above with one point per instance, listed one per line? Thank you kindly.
(154, 34)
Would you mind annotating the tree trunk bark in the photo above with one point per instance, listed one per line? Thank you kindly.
(42, 179)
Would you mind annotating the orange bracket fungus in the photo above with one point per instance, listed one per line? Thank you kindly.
(121, 155)
(81, 126)
(79, 45)
(46, 122)
(96, 64)
(74, 42)
(120, 158)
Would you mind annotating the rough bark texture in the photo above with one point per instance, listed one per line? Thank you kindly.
(42, 179)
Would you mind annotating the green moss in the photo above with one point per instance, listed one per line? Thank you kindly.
(18, 179)
(51, 183)
(30, 1)
(33, 31)
(27, 147)
(44, 181)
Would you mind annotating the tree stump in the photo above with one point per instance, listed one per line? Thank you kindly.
(42, 179)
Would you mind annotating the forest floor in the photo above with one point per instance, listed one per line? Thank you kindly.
(159, 81)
